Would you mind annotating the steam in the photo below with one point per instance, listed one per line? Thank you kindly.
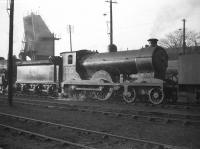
(172, 14)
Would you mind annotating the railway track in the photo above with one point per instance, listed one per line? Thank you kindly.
(136, 115)
(178, 106)
(82, 138)
(45, 137)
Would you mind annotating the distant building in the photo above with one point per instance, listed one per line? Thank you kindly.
(38, 40)
(174, 52)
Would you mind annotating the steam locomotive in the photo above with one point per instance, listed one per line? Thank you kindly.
(130, 74)
(96, 75)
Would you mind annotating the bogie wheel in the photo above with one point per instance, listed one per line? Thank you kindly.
(130, 96)
(52, 90)
(38, 89)
(78, 95)
(89, 94)
(68, 91)
(104, 94)
(156, 95)
(25, 88)
(18, 87)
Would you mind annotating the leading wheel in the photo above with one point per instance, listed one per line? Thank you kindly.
(156, 95)
(130, 96)
(104, 94)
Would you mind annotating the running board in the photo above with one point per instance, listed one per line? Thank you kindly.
(88, 89)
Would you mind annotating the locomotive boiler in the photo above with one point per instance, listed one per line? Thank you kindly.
(146, 60)
(131, 73)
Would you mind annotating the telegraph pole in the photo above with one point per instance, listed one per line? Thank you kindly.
(111, 22)
(184, 44)
(70, 36)
(10, 55)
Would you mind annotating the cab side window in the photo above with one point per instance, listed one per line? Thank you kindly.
(70, 59)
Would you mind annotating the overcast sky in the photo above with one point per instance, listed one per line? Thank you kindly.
(134, 21)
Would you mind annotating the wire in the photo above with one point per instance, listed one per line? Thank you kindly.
(141, 25)
(8, 6)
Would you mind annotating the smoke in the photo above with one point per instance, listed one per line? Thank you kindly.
(171, 15)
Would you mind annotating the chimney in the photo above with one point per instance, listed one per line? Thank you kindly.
(153, 42)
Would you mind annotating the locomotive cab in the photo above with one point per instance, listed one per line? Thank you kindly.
(69, 66)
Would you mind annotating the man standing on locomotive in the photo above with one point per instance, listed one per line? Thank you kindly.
(153, 42)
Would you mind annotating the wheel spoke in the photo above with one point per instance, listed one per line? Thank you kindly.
(130, 97)
(156, 95)
(104, 94)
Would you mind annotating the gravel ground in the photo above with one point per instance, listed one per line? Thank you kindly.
(173, 135)
(13, 141)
